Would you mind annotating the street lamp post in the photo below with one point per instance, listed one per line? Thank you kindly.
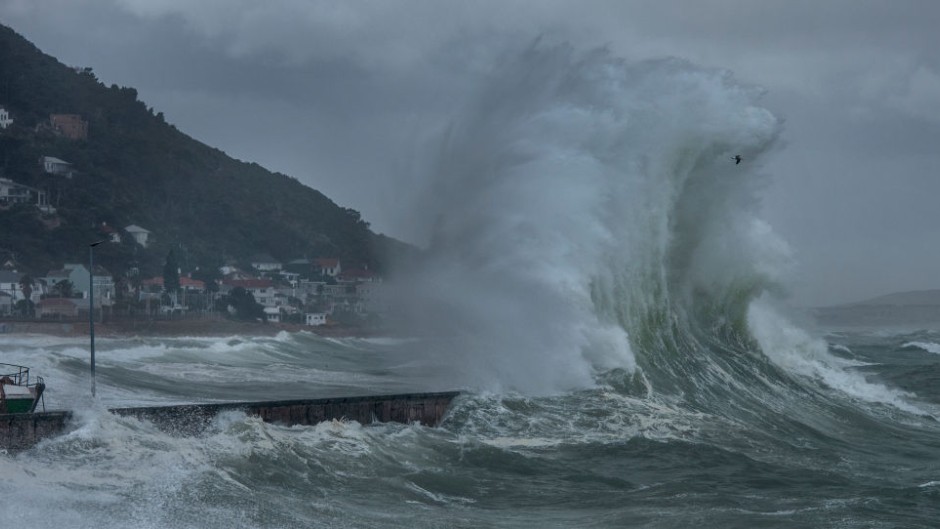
(91, 308)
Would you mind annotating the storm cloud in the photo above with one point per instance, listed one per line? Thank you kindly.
(344, 96)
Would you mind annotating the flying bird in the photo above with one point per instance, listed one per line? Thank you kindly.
(736, 158)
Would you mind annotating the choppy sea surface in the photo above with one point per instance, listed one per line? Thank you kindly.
(801, 451)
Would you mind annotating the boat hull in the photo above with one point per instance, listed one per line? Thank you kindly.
(17, 405)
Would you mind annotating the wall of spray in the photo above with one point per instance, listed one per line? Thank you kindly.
(578, 205)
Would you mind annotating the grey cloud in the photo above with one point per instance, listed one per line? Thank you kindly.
(343, 95)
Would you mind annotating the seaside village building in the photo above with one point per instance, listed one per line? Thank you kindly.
(265, 263)
(5, 119)
(77, 275)
(10, 285)
(141, 236)
(262, 289)
(189, 289)
(329, 266)
(6, 304)
(72, 126)
(55, 166)
(315, 319)
(61, 308)
(14, 193)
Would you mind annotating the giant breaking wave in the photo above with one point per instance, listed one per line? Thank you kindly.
(584, 210)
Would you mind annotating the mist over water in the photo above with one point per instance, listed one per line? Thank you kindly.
(579, 200)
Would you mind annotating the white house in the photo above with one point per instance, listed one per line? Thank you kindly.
(13, 193)
(10, 284)
(56, 166)
(328, 266)
(315, 318)
(261, 289)
(265, 263)
(272, 314)
(5, 119)
(77, 275)
(139, 234)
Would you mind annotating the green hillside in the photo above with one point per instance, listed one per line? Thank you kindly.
(134, 168)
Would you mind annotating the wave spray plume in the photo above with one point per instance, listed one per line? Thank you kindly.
(582, 205)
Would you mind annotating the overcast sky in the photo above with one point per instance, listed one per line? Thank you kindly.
(333, 93)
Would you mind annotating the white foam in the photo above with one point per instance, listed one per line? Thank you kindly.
(840, 347)
(797, 352)
(930, 347)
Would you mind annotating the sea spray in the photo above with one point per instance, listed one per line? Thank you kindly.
(577, 209)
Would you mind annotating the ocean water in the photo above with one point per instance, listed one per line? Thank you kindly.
(847, 438)
(600, 285)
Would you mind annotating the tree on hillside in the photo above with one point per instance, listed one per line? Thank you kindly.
(208, 275)
(134, 168)
(171, 275)
(64, 288)
(243, 304)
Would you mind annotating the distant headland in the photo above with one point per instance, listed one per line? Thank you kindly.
(916, 308)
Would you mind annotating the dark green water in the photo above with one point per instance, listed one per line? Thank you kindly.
(785, 449)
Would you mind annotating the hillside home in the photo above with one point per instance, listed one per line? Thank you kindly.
(301, 264)
(54, 277)
(340, 292)
(104, 287)
(231, 272)
(328, 266)
(60, 308)
(72, 126)
(291, 277)
(10, 284)
(14, 193)
(139, 234)
(5, 119)
(280, 299)
(186, 283)
(272, 314)
(265, 263)
(356, 275)
(315, 318)
(55, 166)
(6, 304)
(262, 289)
(77, 275)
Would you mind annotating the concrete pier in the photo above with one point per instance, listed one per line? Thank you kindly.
(22, 431)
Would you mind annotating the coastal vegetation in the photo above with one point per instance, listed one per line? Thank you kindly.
(134, 168)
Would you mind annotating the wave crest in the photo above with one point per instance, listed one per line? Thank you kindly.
(581, 208)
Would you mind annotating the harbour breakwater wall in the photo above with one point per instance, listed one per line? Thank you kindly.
(21, 431)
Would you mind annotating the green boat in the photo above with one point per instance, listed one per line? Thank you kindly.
(17, 393)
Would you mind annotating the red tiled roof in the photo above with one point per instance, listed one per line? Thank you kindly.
(56, 302)
(249, 283)
(357, 273)
(185, 282)
(326, 262)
